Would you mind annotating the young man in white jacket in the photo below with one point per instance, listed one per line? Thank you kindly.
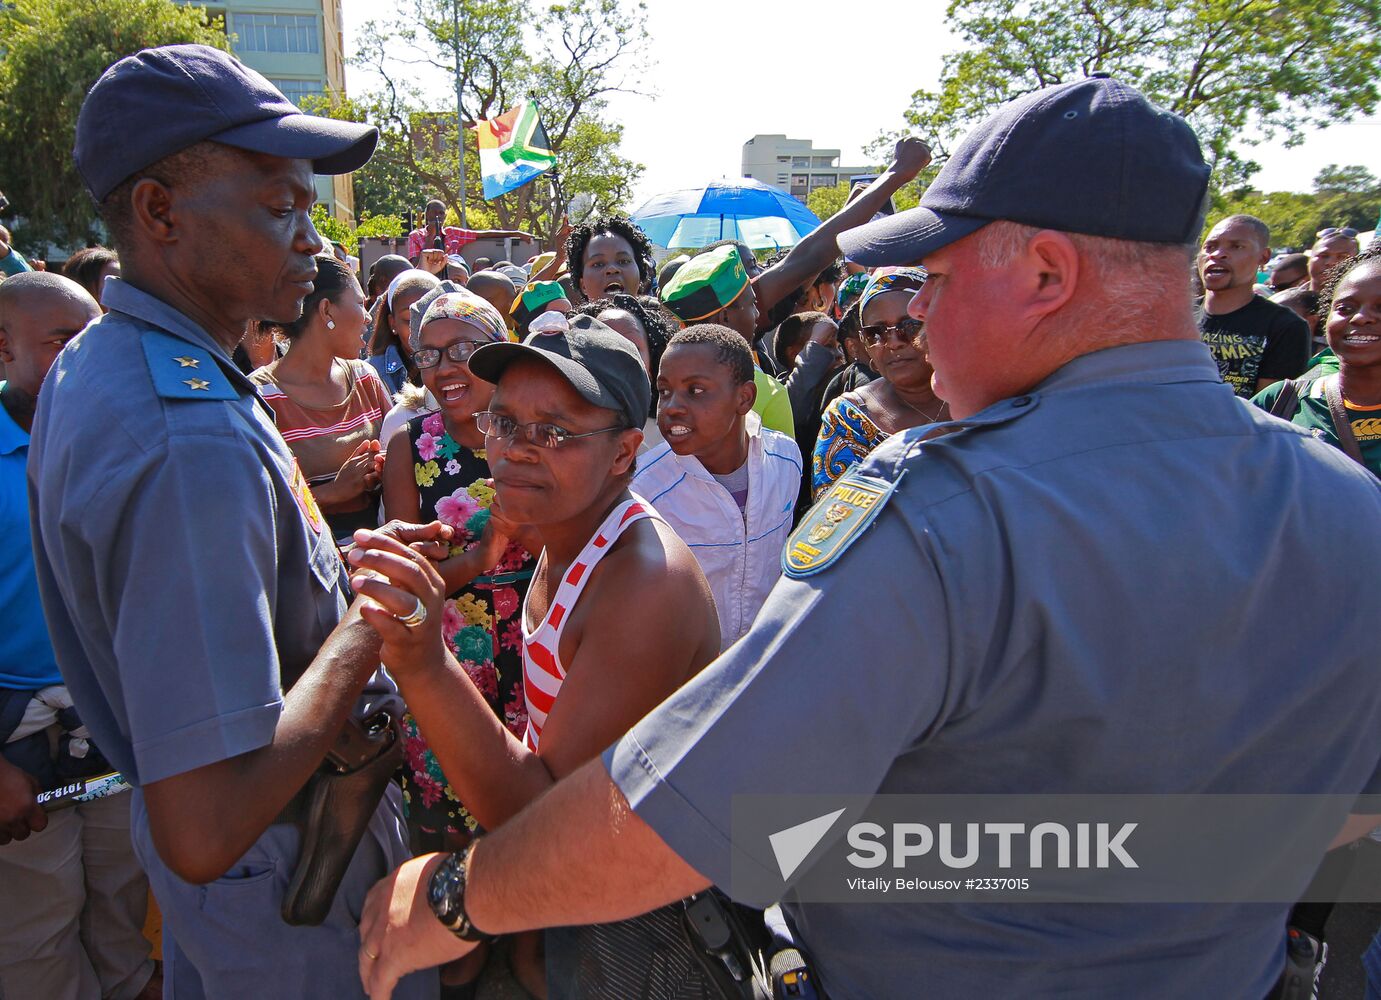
(727, 484)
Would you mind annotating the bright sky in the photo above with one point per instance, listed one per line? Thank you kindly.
(810, 71)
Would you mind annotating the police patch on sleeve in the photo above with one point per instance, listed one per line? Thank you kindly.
(836, 520)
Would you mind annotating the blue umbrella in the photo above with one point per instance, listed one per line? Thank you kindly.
(741, 209)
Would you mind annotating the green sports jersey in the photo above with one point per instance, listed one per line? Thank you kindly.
(773, 405)
(1312, 414)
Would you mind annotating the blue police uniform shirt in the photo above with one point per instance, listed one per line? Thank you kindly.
(1116, 584)
(180, 568)
(26, 655)
(186, 573)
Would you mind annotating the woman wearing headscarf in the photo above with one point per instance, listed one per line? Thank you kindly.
(901, 398)
(388, 346)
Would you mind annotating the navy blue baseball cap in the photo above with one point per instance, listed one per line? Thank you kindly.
(601, 364)
(160, 101)
(1093, 157)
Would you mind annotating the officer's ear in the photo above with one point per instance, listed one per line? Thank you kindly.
(152, 204)
(1048, 271)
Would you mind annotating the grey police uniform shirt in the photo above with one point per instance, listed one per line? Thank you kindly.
(181, 572)
(1128, 581)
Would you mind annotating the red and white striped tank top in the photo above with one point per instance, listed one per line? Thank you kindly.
(543, 671)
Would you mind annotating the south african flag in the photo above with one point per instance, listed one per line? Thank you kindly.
(514, 149)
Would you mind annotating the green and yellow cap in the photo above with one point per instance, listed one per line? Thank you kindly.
(537, 294)
(705, 284)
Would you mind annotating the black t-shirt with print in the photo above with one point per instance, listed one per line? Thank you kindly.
(1260, 340)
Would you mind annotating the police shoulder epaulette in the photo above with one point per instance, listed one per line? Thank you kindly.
(835, 522)
(184, 371)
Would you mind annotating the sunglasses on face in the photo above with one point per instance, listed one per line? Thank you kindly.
(430, 357)
(496, 425)
(908, 329)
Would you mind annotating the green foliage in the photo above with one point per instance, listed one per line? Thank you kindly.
(51, 52)
(568, 55)
(825, 201)
(335, 231)
(1342, 196)
(1240, 71)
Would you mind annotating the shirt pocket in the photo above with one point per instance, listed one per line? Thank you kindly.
(331, 589)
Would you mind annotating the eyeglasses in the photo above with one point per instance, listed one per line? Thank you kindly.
(1348, 231)
(908, 329)
(496, 425)
(430, 357)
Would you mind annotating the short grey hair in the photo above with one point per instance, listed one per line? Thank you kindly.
(1137, 276)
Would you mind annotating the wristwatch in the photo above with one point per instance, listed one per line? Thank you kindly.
(446, 894)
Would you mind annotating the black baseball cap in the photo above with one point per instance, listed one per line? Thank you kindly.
(1093, 157)
(599, 363)
(160, 101)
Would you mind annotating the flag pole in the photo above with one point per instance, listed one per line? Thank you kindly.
(460, 119)
(552, 177)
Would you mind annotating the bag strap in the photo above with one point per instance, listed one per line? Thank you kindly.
(1288, 400)
(1342, 425)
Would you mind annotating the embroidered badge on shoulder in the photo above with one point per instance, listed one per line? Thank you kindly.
(184, 371)
(306, 502)
(837, 518)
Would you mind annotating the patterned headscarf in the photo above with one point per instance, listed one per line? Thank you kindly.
(853, 285)
(451, 301)
(891, 279)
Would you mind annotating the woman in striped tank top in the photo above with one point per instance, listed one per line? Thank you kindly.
(617, 617)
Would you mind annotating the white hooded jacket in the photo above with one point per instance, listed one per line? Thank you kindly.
(740, 561)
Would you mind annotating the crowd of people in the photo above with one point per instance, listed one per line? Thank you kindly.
(429, 606)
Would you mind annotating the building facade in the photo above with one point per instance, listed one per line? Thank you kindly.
(795, 165)
(299, 45)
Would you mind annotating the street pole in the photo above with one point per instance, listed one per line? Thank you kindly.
(460, 119)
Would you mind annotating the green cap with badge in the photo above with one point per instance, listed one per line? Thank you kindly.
(706, 284)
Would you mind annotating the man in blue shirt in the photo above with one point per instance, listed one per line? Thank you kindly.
(74, 868)
(1106, 577)
(196, 600)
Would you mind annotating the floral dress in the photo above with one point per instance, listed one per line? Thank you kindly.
(481, 622)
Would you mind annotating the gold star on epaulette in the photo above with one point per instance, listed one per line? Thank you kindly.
(186, 362)
(197, 383)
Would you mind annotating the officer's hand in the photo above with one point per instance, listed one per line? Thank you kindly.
(432, 540)
(391, 578)
(399, 933)
(20, 813)
(912, 156)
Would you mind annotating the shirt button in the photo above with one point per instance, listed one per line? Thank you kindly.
(1022, 401)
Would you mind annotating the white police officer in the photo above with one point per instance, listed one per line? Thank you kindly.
(187, 575)
(1108, 577)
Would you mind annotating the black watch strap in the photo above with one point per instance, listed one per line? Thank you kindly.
(446, 893)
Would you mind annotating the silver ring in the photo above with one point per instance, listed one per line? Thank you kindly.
(418, 616)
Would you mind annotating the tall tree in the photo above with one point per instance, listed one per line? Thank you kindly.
(569, 56)
(1240, 71)
(51, 52)
(1342, 196)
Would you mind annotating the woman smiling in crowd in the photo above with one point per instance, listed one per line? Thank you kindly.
(1352, 324)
